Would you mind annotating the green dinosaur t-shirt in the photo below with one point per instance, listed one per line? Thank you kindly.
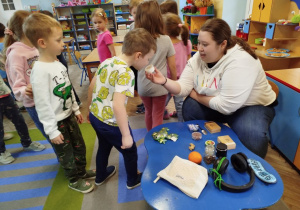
(113, 75)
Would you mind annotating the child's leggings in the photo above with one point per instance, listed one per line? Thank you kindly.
(154, 110)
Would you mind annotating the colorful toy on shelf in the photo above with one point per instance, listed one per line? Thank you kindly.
(200, 7)
(76, 2)
(65, 26)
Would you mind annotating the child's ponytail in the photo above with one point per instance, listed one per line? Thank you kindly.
(174, 27)
(15, 27)
(184, 34)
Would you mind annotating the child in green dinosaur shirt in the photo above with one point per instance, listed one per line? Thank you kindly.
(55, 101)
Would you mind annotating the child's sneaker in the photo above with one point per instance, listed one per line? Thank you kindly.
(140, 110)
(174, 114)
(6, 158)
(140, 105)
(137, 183)
(110, 171)
(35, 146)
(82, 186)
(8, 136)
(90, 174)
(166, 115)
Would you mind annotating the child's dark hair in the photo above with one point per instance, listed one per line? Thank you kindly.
(2, 29)
(138, 40)
(220, 31)
(148, 16)
(15, 25)
(174, 27)
(169, 6)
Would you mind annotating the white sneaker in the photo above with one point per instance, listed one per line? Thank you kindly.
(35, 146)
(6, 158)
(8, 136)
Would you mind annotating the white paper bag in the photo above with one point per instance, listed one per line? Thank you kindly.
(189, 177)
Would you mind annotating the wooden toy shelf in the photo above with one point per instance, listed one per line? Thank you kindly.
(277, 36)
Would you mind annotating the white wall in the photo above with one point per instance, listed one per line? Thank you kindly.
(5, 15)
(234, 12)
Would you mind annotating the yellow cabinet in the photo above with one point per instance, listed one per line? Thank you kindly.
(270, 10)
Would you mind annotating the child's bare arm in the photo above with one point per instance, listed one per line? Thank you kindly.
(122, 120)
(172, 67)
(112, 50)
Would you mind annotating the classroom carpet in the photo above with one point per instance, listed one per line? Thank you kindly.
(35, 180)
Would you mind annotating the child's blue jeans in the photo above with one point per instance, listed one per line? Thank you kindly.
(10, 109)
(34, 116)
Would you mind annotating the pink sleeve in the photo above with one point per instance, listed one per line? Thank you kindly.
(108, 39)
(189, 47)
(17, 81)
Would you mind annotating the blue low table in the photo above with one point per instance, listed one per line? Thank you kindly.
(163, 195)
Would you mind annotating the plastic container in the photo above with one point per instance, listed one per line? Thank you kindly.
(258, 41)
(221, 150)
(85, 10)
(107, 12)
(210, 154)
(92, 9)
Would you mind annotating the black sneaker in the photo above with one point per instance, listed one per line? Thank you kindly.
(140, 105)
(22, 109)
(110, 171)
(136, 183)
(140, 110)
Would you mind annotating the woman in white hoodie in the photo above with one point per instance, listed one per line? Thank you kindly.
(225, 82)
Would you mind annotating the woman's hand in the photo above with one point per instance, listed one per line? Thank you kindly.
(157, 77)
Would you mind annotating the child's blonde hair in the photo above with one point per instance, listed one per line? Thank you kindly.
(174, 27)
(99, 12)
(15, 25)
(138, 40)
(38, 26)
(148, 16)
(169, 6)
(134, 3)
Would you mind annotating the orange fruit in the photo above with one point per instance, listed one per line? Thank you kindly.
(195, 157)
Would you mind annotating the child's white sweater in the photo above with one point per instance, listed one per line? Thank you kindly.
(53, 95)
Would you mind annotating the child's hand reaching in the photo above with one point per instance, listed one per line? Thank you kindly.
(157, 77)
(127, 142)
(79, 118)
(58, 139)
(28, 91)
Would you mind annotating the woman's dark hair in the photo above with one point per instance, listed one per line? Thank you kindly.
(220, 31)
